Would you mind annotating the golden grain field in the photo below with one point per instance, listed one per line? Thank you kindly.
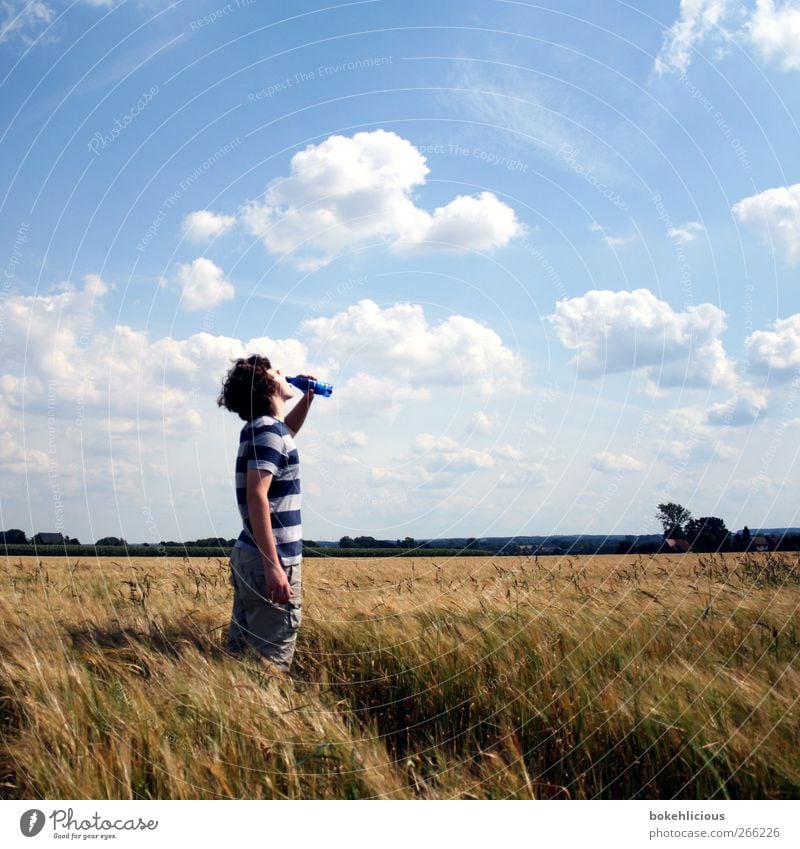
(509, 677)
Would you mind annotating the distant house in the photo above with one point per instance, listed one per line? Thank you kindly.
(760, 543)
(49, 539)
(675, 546)
(526, 549)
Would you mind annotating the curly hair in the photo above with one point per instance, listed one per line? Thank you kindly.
(248, 389)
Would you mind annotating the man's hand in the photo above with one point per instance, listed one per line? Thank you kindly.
(297, 415)
(277, 587)
(310, 392)
(279, 590)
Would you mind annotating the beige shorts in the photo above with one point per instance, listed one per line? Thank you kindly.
(269, 628)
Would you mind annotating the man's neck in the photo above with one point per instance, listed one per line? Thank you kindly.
(278, 405)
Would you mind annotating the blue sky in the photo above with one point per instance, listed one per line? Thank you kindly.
(547, 254)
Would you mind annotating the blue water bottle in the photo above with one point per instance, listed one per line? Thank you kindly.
(316, 386)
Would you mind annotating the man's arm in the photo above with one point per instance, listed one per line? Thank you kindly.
(258, 482)
(297, 415)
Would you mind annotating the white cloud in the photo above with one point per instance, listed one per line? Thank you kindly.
(635, 331)
(42, 331)
(378, 396)
(775, 215)
(700, 450)
(381, 473)
(203, 285)
(605, 461)
(24, 19)
(52, 353)
(774, 29)
(760, 483)
(27, 20)
(611, 241)
(445, 461)
(689, 438)
(202, 225)
(400, 343)
(744, 408)
(482, 423)
(687, 232)
(698, 19)
(776, 352)
(19, 459)
(478, 223)
(445, 453)
(516, 468)
(350, 191)
(347, 439)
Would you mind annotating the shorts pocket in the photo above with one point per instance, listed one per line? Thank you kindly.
(295, 611)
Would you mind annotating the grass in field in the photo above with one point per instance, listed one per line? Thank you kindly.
(610, 677)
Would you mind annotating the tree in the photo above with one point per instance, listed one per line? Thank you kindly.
(673, 517)
(14, 536)
(346, 542)
(626, 546)
(111, 541)
(707, 534)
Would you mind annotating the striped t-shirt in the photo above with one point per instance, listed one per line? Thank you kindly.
(266, 443)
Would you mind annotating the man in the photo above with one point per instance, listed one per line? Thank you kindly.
(266, 559)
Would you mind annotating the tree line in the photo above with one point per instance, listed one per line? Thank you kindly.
(708, 533)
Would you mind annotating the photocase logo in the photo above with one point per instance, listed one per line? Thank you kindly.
(31, 822)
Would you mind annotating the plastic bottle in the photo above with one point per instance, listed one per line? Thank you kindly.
(316, 386)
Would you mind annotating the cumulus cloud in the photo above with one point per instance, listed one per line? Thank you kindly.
(775, 215)
(444, 458)
(480, 223)
(43, 331)
(442, 461)
(349, 439)
(774, 30)
(482, 422)
(776, 352)
(384, 474)
(611, 241)
(444, 452)
(687, 232)
(19, 459)
(635, 331)
(516, 468)
(745, 408)
(202, 225)
(350, 191)
(689, 438)
(53, 353)
(605, 461)
(378, 396)
(400, 342)
(698, 19)
(203, 285)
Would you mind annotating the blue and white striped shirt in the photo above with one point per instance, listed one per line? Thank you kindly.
(266, 443)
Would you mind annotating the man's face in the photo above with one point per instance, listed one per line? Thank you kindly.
(285, 390)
